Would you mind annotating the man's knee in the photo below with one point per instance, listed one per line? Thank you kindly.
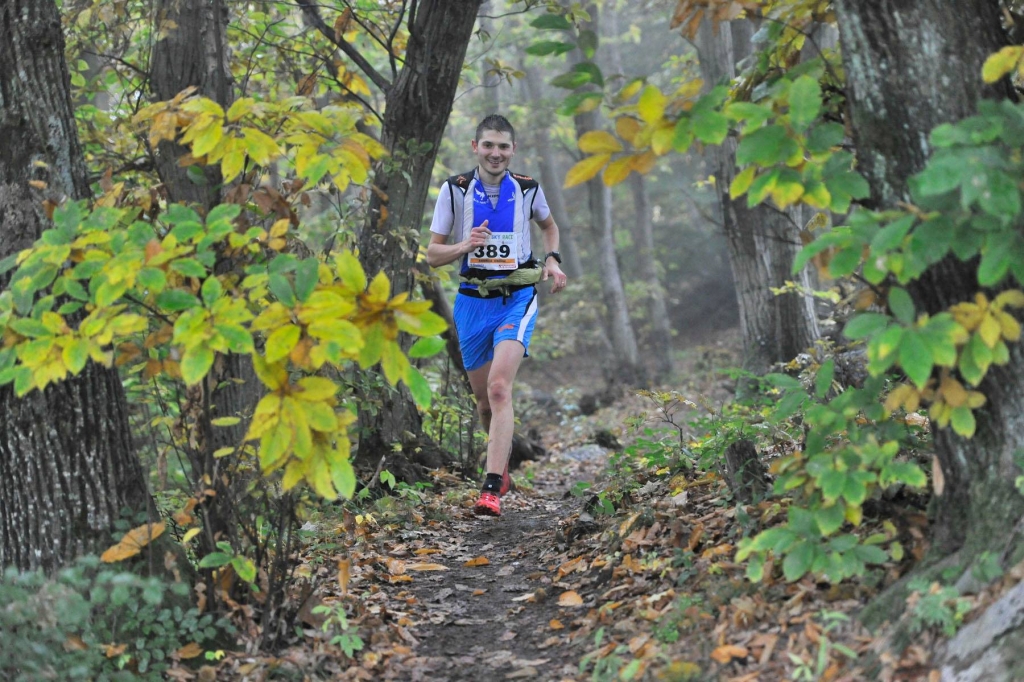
(499, 392)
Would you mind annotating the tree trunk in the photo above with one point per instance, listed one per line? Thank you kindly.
(417, 110)
(624, 367)
(67, 465)
(910, 67)
(551, 180)
(762, 241)
(193, 53)
(657, 310)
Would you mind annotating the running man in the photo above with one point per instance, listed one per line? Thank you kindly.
(485, 214)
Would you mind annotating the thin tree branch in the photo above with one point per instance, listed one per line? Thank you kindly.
(391, 41)
(313, 15)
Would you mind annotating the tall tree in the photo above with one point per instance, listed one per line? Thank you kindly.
(67, 465)
(624, 367)
(910, 68)
(418, 101)
(762, 241)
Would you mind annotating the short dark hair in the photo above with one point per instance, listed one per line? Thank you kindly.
(498, 123)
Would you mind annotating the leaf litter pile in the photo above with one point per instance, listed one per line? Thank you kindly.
(564, 587)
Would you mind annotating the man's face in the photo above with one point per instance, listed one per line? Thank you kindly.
(493, 151)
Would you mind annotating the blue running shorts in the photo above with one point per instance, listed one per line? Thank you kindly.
(482, 322)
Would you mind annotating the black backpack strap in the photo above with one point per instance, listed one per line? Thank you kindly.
(526, 183)
(460, 181)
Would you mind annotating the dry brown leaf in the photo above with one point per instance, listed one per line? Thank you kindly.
(114, 650)
(190, 650)
(425, 567)
(133, 542)
(938, 480)
(75, 643)
(726, 653)
(427, 550)
(479, 561)
(556, 624)
(570, 566)
(477, 593)
(570, 598)
(344, 573)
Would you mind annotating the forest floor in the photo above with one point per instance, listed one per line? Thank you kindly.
(585, 576)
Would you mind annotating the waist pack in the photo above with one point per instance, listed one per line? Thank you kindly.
(525, 275)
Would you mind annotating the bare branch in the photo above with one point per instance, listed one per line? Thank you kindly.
(312, 14)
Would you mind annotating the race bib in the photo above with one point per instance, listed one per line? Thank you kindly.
(501, 252)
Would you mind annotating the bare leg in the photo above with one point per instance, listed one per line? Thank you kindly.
(492, 386)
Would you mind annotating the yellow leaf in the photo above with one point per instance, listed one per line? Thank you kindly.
(990, 331)
(1009, 326)
(189, 534)
(617, 171)
(652, 105)
(741, 183)
(133, 542)
(570, 598)
(1013, 298)
(279, 228)
(556, 624)
(726, 653)
(661, 140)
(627, 127)
(240, 108)
(586, 169)
(1001, 63)
(379, 290)
(225, 421)
(643, 163)
(425, 567)
(630, 89)
(479, 561)
(315, 389)
(599, 142)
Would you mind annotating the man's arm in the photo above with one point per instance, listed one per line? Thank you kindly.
(549, 233)
(440, 252)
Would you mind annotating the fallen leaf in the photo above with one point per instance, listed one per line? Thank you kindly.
(509, 635)
(528, 672)
(570, 598)
(479, 561)
(425, 567)
(190, 650)
(395, 566)
(425, 550)
(524, 597)
(75, 643)
(477, 593)
(114, 650)
(133, 542)
(344, 568)
(724, 654)
(570, 566)
(556, 624)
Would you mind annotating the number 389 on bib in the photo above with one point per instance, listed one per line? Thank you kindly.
(501, 252)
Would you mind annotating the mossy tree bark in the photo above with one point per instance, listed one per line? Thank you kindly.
(67, 464)
(910, 67)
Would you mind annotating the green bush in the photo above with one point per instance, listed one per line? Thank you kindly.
(90, 622)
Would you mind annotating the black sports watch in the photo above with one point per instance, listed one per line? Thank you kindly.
(554, 254)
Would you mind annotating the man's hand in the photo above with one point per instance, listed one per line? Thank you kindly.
(558, 278)
(478, 236)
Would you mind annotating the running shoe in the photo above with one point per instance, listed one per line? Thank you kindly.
(489, 504)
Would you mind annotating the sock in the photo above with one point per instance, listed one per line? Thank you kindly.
(492, 484)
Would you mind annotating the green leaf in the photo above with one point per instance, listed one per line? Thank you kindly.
(804, 102)
(823, 137)
(798, 561)
(306, 275)
(962, 421)
(915, 358)
(891, 236)
(551, 22)
(710, 127)
(245, 568)
(870, 554)
(418, 387)
(196, 362)
(865, 324)
(152, 279)
(189, 267)
(215, 560)
(281, 342)
(238, 338)
(856, 491)
(901, 305)
(75, 355)
(765, 146)
(832, 483)
(176, 300)
(282, 289)
(830, 519)
(426, 347)
(570, 80)
(546, 47)
(344, 478)
(211, 290)
(823, 380)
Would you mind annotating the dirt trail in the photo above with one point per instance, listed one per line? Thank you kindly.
(494, 621)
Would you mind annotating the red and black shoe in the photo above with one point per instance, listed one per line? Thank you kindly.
(489, 504)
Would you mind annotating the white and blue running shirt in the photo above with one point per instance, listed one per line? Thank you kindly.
(451, 202)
